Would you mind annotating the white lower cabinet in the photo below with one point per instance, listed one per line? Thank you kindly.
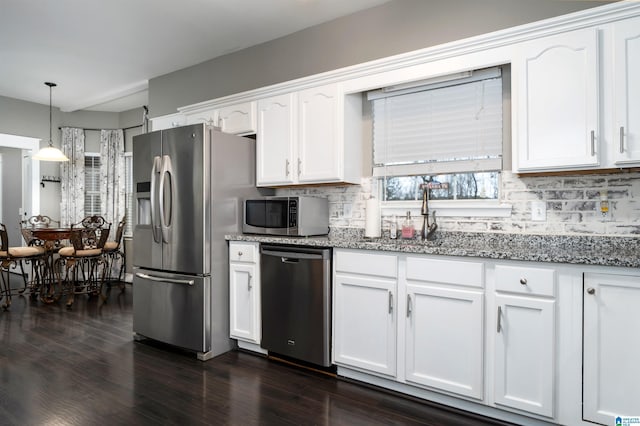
(364, 311)
(441, 316)
(611, 371)
(524, 367)
(444, 325)
(478, 334)
(244, 292)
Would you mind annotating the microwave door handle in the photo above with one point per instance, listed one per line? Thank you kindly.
(166, 209)
(155, 170)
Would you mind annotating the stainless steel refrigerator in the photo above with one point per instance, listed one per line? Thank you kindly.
(189, 185)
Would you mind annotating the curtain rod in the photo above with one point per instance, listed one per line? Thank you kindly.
(97, 130)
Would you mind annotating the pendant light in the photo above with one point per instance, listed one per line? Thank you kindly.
(50, 153)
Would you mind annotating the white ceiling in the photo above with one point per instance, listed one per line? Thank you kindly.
(102, 53)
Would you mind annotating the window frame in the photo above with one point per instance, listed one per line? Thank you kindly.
(462, 208)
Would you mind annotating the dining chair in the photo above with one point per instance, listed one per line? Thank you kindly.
(13, 257)
(112, 253)
(91, 226)
(82, 263)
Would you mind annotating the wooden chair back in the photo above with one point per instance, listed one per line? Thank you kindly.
(40, 221)
(4, 238)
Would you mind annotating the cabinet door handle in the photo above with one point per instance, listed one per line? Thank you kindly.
(299, 166)
(286, 167)
(249, 286)
(593, 143)
(499, 319)
(591, 290)
(621, 139)
(408, 305)
(390, 302)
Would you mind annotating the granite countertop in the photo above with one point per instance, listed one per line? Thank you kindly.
(584, 250)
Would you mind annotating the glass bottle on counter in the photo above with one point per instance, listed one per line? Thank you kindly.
(393, 228)
(407, 227)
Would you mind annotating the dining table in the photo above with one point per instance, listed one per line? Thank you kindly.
(53, 239)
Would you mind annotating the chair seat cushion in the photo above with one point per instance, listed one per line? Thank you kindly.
(26, 251)
(110, 246)
(69, 251)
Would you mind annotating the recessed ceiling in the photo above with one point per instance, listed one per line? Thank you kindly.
(103, 53)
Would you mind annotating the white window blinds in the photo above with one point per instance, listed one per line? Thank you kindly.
(91, 184)
(449, 127)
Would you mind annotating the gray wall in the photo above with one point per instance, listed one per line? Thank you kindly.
(392, 28)
(23, 118)
(130, 118)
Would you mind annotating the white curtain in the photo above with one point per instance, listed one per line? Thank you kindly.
(112, 173)
(72, 176)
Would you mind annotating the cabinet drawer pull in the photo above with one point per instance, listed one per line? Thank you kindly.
(593, 143)
(591, 290)
(239, 254)
(390, 302)
(499, 318)
(523, 281)
(621, 139)
(408, 305)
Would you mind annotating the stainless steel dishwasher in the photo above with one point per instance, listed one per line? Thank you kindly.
(296, 302)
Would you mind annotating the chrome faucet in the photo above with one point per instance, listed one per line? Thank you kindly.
(429, 229)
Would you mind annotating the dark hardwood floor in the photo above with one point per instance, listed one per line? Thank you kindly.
(82, 367)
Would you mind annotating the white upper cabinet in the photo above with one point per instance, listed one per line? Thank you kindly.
(308, 137)
(237, 119)
(168, 121)
(626, 91)
(319, 139)
(556, 103)
(275, 148)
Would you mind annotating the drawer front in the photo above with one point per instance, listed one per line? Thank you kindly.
(380, 265)
(243, 252)
(445, 271)
(523, 280)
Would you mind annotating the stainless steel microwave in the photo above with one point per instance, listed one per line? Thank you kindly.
(291, 216)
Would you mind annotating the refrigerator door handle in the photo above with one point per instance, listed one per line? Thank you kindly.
(163, 280)
(155, 170)
(167, 170)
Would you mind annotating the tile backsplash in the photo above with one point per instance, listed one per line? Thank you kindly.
(572, 204)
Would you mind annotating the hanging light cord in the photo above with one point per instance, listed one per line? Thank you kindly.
(51, 86)
(50, 115)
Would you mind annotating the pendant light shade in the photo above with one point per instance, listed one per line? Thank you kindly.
(50, 153)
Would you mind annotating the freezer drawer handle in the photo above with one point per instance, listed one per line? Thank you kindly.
(163, 280)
